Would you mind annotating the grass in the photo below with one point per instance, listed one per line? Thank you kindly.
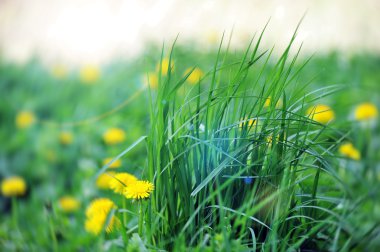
(232, 170)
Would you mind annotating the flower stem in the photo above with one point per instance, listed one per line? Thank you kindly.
(141, 218)
(14, 213)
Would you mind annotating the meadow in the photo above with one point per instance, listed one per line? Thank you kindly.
(187, 150)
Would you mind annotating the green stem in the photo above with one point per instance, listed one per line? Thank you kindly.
(14, 213)
(125, 213)
(124, 235)
(141, 218)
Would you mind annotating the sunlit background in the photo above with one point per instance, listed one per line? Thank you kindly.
(96, 31)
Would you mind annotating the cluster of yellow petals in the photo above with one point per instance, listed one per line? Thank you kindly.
(120, 181)
(366, 111)
(98, 215)
(66, 137)
(114, 164)
(268, 102)
(138, 190)
(104, 179)
(13, 186)
(348, 150)
(165, 66)
(151, 80)
(114, 136)
(89, 74)
(248, 122)
(25, 119)
(321, 113)
(69, 204)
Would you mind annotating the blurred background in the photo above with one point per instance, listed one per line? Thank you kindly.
(96, 31)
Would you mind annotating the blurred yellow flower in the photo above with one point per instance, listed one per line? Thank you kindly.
(151, 79)
(366, 111)
(98, 213)
(321, 113)
(165, 66)
(249, 122)
(139, 190)
(13, 186)
(120, 181)
(104, 179)
(69, 204)
(89, 74)
(268, 102)
(114, 136)
(195, 75)
(115, 164)
(66, 137)
(59, 71)
(25, 119)
(348, 150)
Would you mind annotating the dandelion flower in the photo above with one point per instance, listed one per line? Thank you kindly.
(120, 181)
(115, 164)
(152, 80)
(13, 186)
(59, 71)
(248, 122)
(66, 137)
(69, 204)
(89, 74)
(195, 75)
(98, 213)
(366, 111)
(268, 102)
(165, 66)
(321, 113)
(139, 190)
(114, 136)
(25, 119)
(348, 150)
(104, 179)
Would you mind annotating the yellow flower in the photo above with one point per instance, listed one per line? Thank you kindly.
(348, 150)
(97, 215)
(114, 136)
(321, 113)
(115, 164)
(13, 186)
(139, 190)
(268, 102)
(59, 71)
(69, 204)
(165, 66)
(25, 119)
(66, 137)
(249, 122)
(89, 74)
(104, 179)
(120, 181)
(195, 75)
(366, 111)
(152, 80)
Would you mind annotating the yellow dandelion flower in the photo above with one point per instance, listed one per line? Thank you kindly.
(195, 75)
(366, 111)
(104, 179)
(249, 122)
(115, 164)
(268, 102)
(139, 190)
(165, 66)
(66, 137)
(13, 186)
(97, 214)
(59, 71)
(114, 136)
(321, 113)
(151, 79)
(69, 204)
(120, 181)
(25, 119)
(348, 150)
(89, 74)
